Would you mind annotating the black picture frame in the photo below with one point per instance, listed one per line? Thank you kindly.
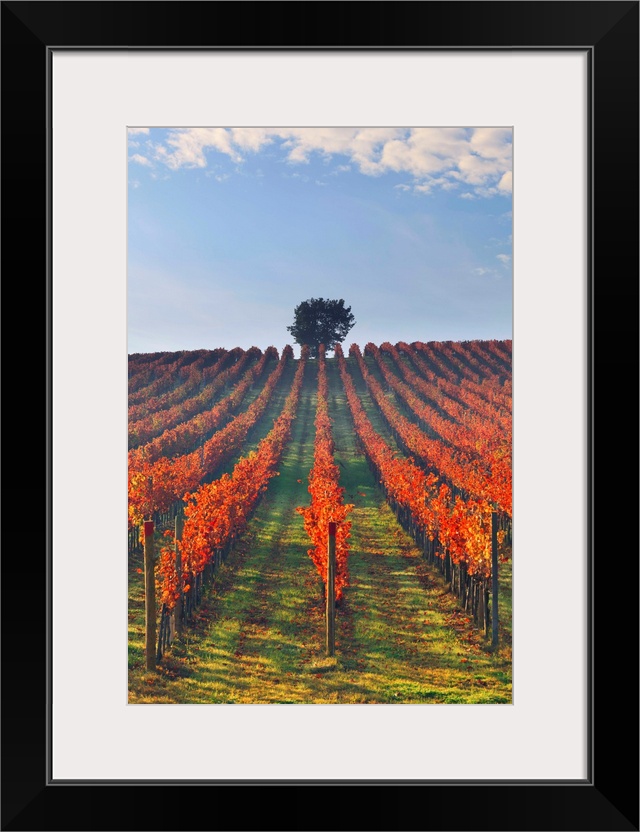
(608, 798)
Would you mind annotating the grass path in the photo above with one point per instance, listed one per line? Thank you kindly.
(259, 635)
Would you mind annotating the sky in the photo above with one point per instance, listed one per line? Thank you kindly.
(229, 229)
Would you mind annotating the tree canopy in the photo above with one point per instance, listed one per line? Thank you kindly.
(318, 321)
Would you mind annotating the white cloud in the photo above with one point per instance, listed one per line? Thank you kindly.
(480, 271)
(140, 160)
(436, 158)
(187, 147)
(505, 259)
(250, 138)
(505, 184)
(134, 130)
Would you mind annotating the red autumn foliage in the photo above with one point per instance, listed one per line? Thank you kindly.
(326, 494)
(155, 486)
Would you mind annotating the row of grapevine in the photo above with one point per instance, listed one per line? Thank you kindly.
(327, 497)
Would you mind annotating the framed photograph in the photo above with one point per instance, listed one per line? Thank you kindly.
(404, 446)
(105, 94)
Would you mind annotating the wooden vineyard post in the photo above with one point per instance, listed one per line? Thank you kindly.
(178, 537)
(149, 597)
(331, 591)
(494, 579)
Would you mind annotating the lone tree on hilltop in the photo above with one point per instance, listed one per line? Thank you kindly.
(319, 321)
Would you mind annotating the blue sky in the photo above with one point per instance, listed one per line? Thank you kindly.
(230, 228)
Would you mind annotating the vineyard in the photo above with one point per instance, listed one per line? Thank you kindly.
(241, 463)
